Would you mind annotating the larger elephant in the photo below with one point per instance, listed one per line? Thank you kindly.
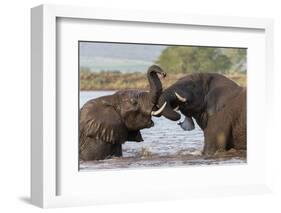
(109, 121)
(217, 104)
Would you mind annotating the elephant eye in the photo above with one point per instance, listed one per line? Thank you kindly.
(133, 101)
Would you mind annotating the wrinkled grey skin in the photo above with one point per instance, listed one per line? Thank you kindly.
(109, 121)
(216, 103)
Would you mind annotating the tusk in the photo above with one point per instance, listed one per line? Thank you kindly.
(159, 110)
(180, 98)
(177, 108)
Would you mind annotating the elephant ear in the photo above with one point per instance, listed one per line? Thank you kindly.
(104, 123)
(213, 102)
(218, 95)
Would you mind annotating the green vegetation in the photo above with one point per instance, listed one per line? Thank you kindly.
(185, 59)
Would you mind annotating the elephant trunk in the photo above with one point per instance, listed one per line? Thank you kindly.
(169, 112)
(154, 82)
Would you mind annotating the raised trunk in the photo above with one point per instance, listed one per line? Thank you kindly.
(154, 82)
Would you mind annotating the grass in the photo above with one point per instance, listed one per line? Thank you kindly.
(118, 81)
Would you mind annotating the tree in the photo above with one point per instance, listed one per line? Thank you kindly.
(188, 59)
(238, 57)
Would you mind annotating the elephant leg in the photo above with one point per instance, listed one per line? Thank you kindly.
(95, 150)
(240, 136)
(217, 135)
(209, 143)
(117, 150)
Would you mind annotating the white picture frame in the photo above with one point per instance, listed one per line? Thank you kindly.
(45, 170)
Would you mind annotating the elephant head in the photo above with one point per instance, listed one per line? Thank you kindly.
(196, 95)
(135, 107)
(117, 118)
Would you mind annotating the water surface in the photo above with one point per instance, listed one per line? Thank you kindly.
(165, 144)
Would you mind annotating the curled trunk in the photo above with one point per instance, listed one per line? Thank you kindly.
(154, 82)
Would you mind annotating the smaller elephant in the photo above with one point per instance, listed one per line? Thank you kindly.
(109, 121)
(217, 104)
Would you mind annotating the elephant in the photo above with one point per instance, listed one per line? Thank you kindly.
(109, 121)
(218, 106)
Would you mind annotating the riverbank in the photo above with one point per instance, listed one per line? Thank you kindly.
(117, 81)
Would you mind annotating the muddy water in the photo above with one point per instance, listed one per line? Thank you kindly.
(166, 144)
